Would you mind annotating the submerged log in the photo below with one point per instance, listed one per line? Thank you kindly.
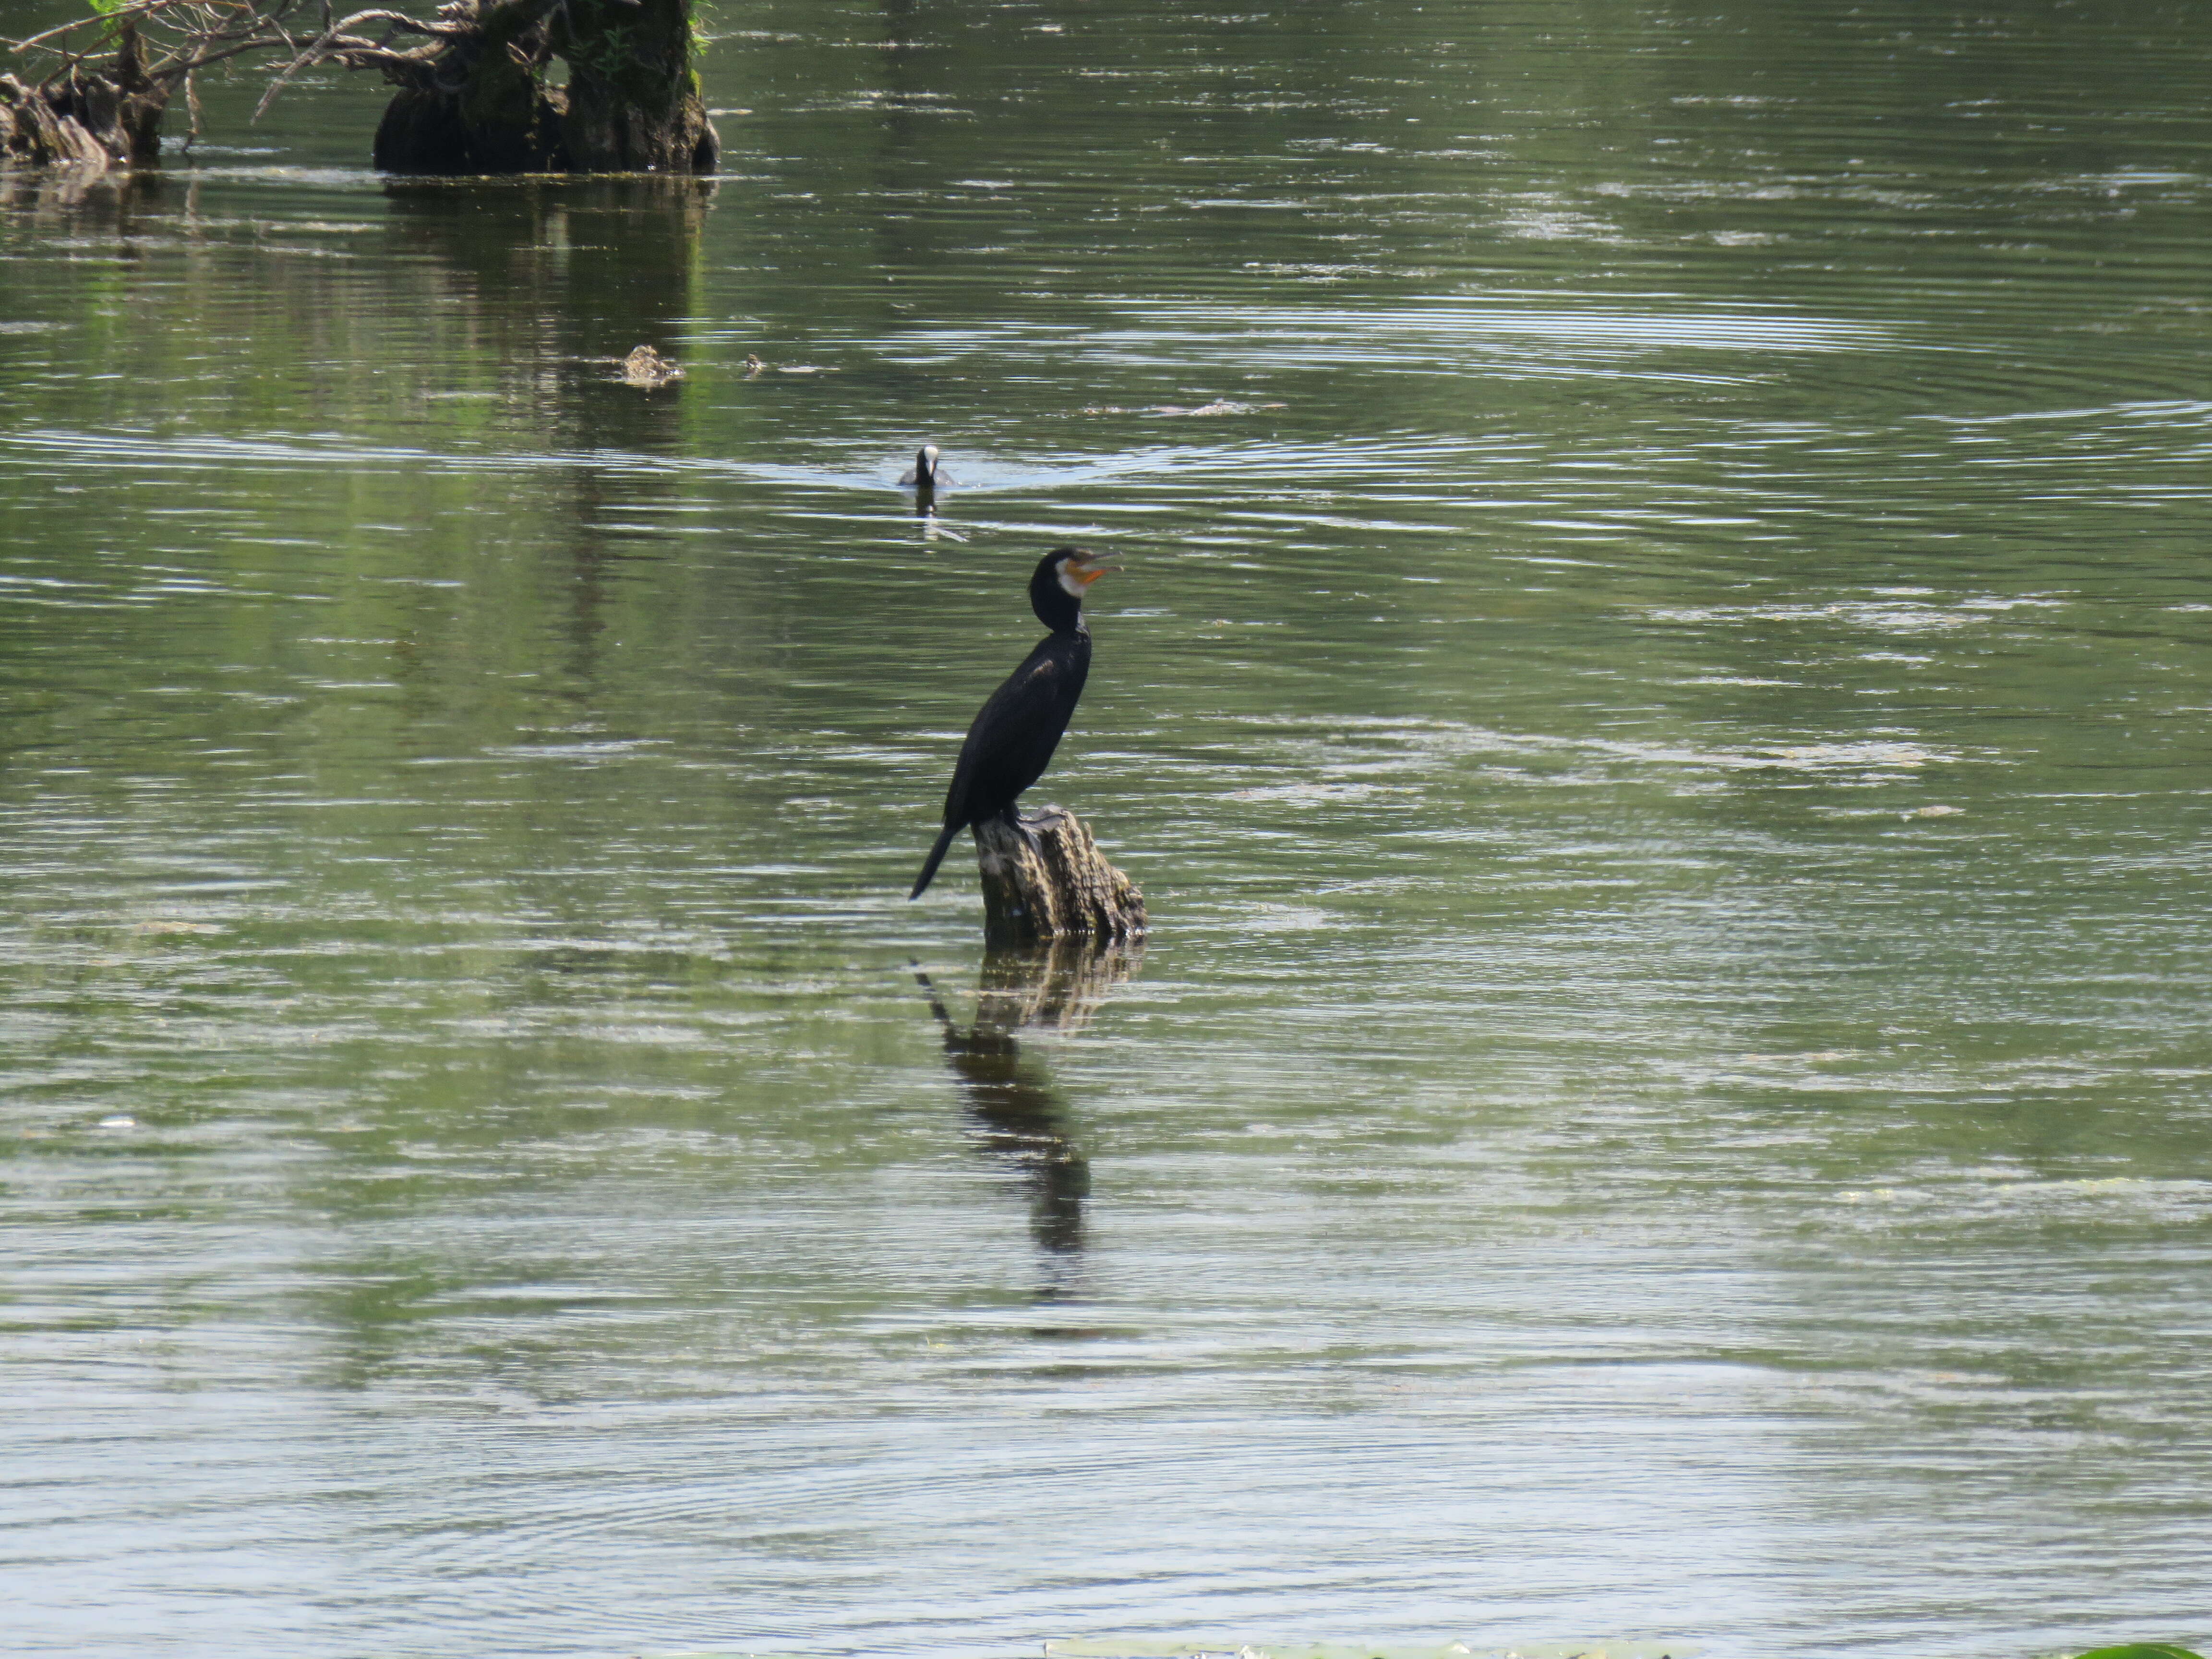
(1047, 880)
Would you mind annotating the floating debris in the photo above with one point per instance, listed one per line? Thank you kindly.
(755, 367)
(1218, 406)
(647, 370)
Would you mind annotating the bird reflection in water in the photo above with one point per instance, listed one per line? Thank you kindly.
(1018, 1117)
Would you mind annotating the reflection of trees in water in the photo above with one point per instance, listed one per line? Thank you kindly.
(47, 189)
(1019, 1118)
(463, 319)
(555, 278)
(555, 283)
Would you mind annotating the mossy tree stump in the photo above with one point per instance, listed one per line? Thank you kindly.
(1047, 880)
(474, 78)
(482, 105)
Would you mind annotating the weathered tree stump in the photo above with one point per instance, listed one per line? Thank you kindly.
(1047, 880)
(89, 118)
(512, 126)
(474, 93)
(32, 129)
(482, 105)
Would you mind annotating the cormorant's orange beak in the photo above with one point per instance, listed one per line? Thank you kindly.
(1087, 569)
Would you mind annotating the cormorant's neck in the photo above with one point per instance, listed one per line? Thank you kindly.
(1055, 607)
(1073, 622)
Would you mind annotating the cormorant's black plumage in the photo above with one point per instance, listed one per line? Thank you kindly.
(1012, 739)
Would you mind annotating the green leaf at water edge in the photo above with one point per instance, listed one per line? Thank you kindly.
(2141, 1650)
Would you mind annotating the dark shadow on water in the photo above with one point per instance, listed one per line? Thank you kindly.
(1018, 1117)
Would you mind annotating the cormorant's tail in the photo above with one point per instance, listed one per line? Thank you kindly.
(936, 857)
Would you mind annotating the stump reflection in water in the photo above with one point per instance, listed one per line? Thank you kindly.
(1019, 1117)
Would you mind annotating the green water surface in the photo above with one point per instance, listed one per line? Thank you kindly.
(1658, 697)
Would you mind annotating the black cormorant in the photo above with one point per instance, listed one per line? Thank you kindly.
(1012, 739)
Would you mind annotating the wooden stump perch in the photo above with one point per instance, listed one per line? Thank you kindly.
(1048, 880)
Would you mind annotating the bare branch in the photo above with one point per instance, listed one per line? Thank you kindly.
(365, 51)
(140, 10)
